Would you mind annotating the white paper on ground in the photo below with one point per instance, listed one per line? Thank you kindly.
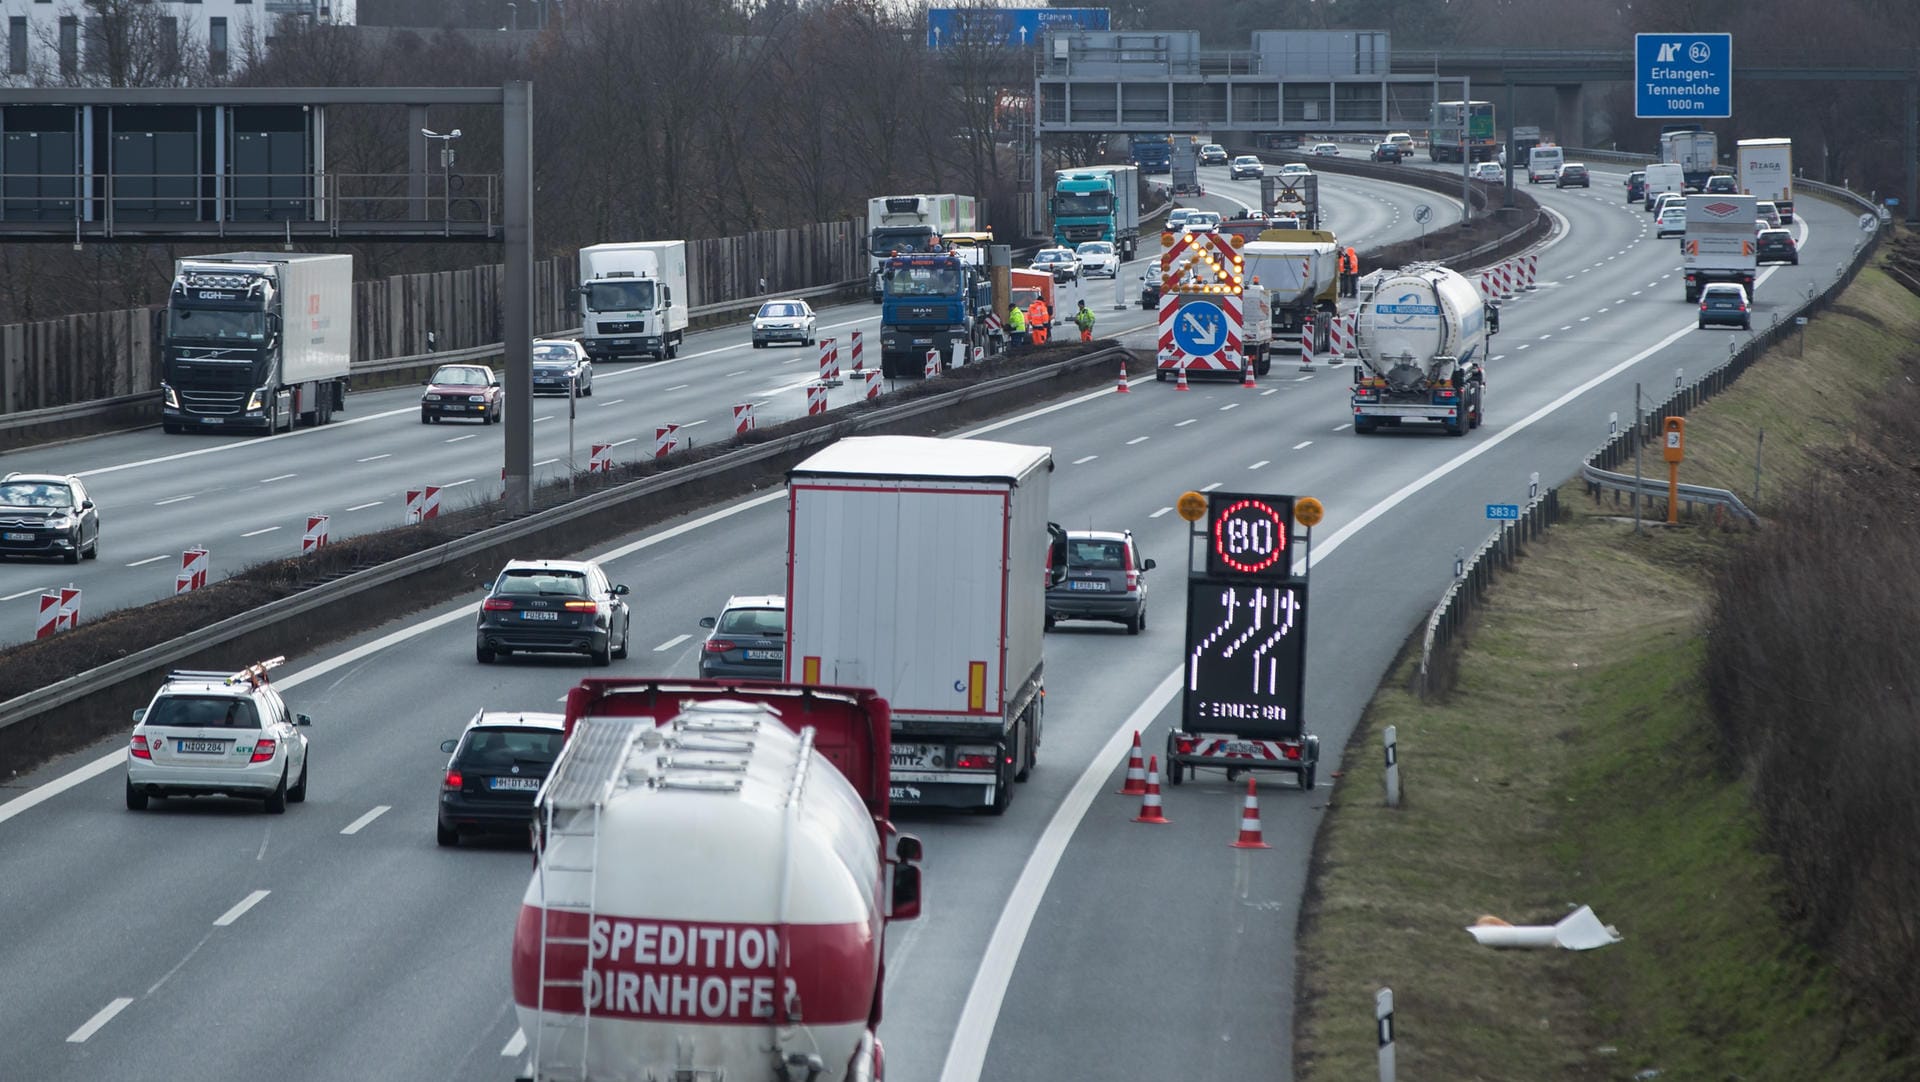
(1580, 930)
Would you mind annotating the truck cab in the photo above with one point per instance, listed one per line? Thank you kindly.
(930, 301)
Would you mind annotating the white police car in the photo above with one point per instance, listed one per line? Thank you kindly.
(218, 734)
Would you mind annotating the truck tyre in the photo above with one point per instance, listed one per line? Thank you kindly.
(170, 428)
(1002, 792)
(1458, 427)
(1692, 294)
(136, 800)
(1264, 364)
(1309, 776)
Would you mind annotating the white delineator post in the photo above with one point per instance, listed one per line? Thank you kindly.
(1390, 745)
(1383, 1027)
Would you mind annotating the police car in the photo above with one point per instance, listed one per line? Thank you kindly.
(218, 734)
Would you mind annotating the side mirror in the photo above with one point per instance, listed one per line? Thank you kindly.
(1148, 564)
(86, 505)
(907, 849)
(302, 719)
(706, 622)
(906, 892)
(620, 591)
(138, 714)
(1056, 555)
(448, 745)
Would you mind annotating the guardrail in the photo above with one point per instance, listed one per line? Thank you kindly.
(1473, 577)
(1652, 488)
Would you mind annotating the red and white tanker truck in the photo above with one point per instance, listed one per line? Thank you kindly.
(715, 872)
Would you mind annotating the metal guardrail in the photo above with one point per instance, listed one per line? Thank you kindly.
(138, 666)
(1474, 576)
(1652, 488)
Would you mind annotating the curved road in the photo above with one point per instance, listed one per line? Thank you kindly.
(1061, 941)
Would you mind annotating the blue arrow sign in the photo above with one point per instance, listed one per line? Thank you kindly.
(1507, 511)
(1200, 329)
(1683, 76)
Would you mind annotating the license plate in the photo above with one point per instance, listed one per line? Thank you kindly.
(766, 655)
(1087, 584)
(1238, 747)
(213, 420)
(450, 406)
(17, 536)
(539, 616)
(201, 747)
(513, 783)
(623, 341)
(909, 756)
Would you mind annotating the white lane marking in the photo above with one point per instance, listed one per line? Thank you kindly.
(516, 1044)
(1085, 460)
(1583, 319)
(1303, 445)
(1349, 424)
(546, 462)
(1637, 292)
(1138, 439)
(364, 506)
(1544, 337)
(680, 387)
(1499, 356)
(1160, 512)
(457, 484)
(623, 443)
(1301, 379)
(1185, 423)
(148, 560)
(247, 445)
(1600, 312)
(671, 643)
(1228, 406)
(257, 533)
(1211, 487)
(377, 812)
(468, 436)
(282, 477)
(696, 424)
(240, 908)
(614, 402)
(1621, 300)
(793, 360)
(175, 499)
(1568, 327)
(1268, 391)
(537, 420)
(742, 372)
(1523, 345)
(1259, 464)
(374, 458)
(105, 1015)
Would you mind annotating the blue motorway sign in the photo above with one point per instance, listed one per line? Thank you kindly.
(1683, 76)
(1200, 329)
(1506, 511)
(1010, 27)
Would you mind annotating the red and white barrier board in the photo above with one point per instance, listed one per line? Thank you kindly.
(816, 398)
(932, 368)
(1533, 267)
(873, 382)
(743, 422)
(193, 571)
(857, 369)
(316, 536)
(59, 611)
(423, 504)
(829, 361)
(600, 458)
(665, 439)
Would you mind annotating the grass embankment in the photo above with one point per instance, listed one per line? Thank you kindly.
(1576, 762)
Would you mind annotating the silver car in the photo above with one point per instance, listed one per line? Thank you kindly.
(224, 734)
(1059, 262)
(560, 365)
(1098, 259)
(1106, 580)
(784, 321)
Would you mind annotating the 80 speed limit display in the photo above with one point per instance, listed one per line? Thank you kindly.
(1247, 536)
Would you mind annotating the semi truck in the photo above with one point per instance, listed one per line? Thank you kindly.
(633, 299)
(941, 608)
(1766, 172)
(1300, 270)
(1692, 148)
(1186, 170)
(1423, 335)
(905, 224)
(715, 872)
(1152, 153)
(1719, 242)
(1295, 195)
(1098, 203)
(930, 301)
(256, 340)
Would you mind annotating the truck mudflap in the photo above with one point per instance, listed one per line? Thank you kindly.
(1299, 756)
(953, 791)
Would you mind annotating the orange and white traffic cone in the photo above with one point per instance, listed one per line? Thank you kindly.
(1250, 822)
(1249, 366)
(1150, 803)
(1181, 383)
(1124, 389)
(1136, 770)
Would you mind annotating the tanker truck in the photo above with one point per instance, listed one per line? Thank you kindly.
(1423, 334)
(1300, 270)
(714, 877)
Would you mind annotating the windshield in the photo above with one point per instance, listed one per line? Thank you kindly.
(923, 282)
(763, 622)
(216, 324)
(1096, 247)
(462, 377)
(1051, 255)
(541, 582)
(620, 295)
(500, 748)
(202, 712)
(781, 310)
(911, 239)
(35, 494)
(1082, 204)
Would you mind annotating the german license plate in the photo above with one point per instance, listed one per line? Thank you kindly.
(17, 536)
(1238, 747)
(1087, 584)
(453, 406)
(916, 756)
(213, 420)
(201, 747)
(513, 783)
(539, 616)
(766, 655)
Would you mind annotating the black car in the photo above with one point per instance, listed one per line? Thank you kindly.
(553, 606)
(1150, 287)
(1776, 246)
(1572, 174)
(1637, 186)
(1725, 304)
(495, 771)
(747, 640)
(560, 366)
(44, 514)
(1387, 152)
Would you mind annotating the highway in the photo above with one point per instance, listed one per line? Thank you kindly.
(246, 499)
(1061, 941)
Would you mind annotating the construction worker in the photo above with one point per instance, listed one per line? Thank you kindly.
(1039, 319)
(1353, 273)
(1017, 325)
(1084, 320)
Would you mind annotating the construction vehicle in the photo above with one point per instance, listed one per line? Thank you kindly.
(1213, 319)
(1766, 172)
(1423, 335)
(633, 299)
(930, 301)
(1027, 286)
(1292, 195)
(714, 874)
(919, 567)
(1098, 203)
(1719, 244)
(256, 340)
(1300, 269)
(973, 248)
(905, 224)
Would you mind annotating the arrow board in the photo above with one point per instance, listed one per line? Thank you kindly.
(1200, 328)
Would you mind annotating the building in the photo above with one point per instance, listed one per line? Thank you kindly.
(144, 42)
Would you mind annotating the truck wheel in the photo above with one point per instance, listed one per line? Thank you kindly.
(1264, 365)
(1458, 427)
(1002, 794)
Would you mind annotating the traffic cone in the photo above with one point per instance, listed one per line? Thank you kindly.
(1150, 803)
(1250, 822)
(1181, 383)
(1249, 380)
(1124, 389)
(1136, 770)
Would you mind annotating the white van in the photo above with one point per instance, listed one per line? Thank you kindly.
(1544, 162)
(1664, 177)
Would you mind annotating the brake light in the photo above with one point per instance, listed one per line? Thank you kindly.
(140, 749)
(973, 762)
(496, 604)
(583, 606)
(718, 646)
(263, 751)
(1743, 306)
(1133, 574)
(454, 780)
(1703, 306)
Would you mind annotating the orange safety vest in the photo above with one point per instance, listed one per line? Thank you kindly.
(1353, 261)
(1038, 319)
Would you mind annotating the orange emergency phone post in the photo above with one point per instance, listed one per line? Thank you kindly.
(1674, 451)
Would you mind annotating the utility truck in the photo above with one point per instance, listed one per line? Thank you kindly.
(919, 567)
(633, 299)
(1098, 203)
(1766, 172)
(930, 301)
(1423, 336)
(1186, 170)
(1720, 242)
(256, 340)
(905, 224)
(1300, 270)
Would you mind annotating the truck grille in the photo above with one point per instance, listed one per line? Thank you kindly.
(1078, 233)
(212, 403)
(622, 327)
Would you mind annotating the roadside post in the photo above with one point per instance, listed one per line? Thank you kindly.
(1674, 451)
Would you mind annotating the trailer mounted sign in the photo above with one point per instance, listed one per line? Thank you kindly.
(1683, 76)
(1245, 668)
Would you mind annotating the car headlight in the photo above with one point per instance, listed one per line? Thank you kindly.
(60, 522)
(429, 398)
(172, 399)
(253, 400)
(476, 398)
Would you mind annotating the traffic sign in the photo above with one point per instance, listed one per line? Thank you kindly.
(1422, 212)
(1200, 328)
(1683, 76)
(1504, 511)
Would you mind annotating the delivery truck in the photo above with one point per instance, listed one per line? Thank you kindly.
(905, 224)
(1719, 244)
(1098, 203)
(1766, 172)
(256, 340)
(919, 567)
(633, 299)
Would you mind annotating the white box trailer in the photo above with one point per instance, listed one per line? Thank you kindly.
(918, 567)
(633, 298)
(1766, 172)
(1719, 243)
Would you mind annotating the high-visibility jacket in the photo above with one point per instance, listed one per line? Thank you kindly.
(1016, 319)
(1084, 319)
(1037, 320)
(1353, 261)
